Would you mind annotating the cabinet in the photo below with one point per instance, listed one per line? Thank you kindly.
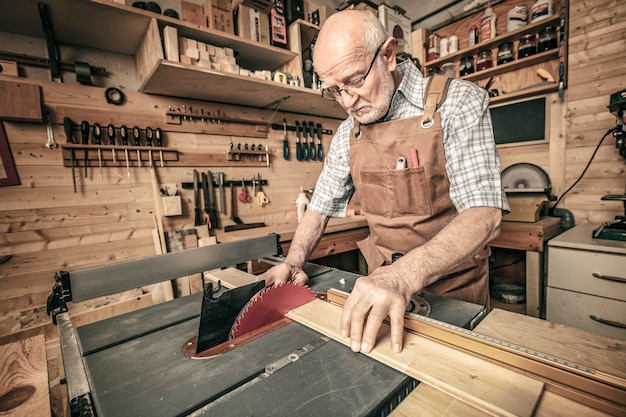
(587, 282)
(522, 81)
(111, 26)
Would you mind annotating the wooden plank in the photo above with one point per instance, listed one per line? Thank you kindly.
(432, 402)
(527, 236)
(20, 101)
(598, 352)
(481, 384)
(24, 378)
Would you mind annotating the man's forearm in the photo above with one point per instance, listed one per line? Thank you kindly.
(308, 234)
(468, 233)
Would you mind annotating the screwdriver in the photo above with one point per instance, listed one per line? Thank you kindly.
(124, 136)
(149, 143)
(305, 149)
(84, 134)
(312, 143)
(159, 143)
(298, 151)
(97, 135)
(67, 124)
(136, 136)
(285, 143)
(111, 133)
(320, 152)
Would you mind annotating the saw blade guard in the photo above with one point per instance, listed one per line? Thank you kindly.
(269, 305)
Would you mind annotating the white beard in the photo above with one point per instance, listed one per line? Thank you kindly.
(380, 108)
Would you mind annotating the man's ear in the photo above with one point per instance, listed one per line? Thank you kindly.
(388, 51)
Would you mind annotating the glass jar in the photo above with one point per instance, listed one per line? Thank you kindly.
(484, 60)
(547, 39)
(434, 71)
(466, 66)
(505, 53)
(527, 46)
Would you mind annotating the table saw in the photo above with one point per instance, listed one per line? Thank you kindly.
(134, 364)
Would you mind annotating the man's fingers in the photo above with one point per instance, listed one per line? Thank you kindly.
(372, 326)
(396, 320)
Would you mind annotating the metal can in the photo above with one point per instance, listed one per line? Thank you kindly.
(434, 42)
(453, 44)
(443, 48)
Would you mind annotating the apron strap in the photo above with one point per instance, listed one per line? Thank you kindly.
(434, 95)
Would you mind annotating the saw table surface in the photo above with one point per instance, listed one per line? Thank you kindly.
(136, 367)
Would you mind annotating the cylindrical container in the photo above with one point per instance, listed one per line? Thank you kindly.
(505, 53)
(527, 46)
(484, 60)
(453, 44)
(434, 71)
(466, 66)
(488, 24)
(448, 69)
(473, 35)
(443, 47)
(434, 42)
(547, 39)
(542, 9)
(516, 18)
(302, 203)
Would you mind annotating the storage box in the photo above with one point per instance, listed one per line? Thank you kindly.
(398, 26)
(252, 24)
(219, 15)
(317, 14)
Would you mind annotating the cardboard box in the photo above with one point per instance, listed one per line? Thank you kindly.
(316, 14)
(219, 15)
(398, 26)
(252, 24)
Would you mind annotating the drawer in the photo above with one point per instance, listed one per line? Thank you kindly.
(573, 269)
(573, 309)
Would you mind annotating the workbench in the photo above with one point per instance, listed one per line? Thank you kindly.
(340, 236)
(532, 238)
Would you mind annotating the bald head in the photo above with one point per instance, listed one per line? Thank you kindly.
(350, 29)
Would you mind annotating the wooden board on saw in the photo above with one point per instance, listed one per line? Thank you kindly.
(24, 378)
(481, 384)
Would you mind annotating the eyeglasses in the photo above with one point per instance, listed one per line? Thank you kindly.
(334, 93)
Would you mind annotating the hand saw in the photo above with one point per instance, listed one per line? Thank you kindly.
(229, 314)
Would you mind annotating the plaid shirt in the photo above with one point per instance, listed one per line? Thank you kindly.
(472, 161)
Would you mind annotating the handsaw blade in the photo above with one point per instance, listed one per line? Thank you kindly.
(268, 305)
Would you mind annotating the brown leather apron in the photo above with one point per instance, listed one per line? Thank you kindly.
(407, 207)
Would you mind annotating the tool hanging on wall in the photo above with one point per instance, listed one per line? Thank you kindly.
(111, 135)
(220, 183)
(285, 143)
(51, 142)
(243, 196)
(124, 137)
(149, 136)
(53, 52)
(159, 143)
(305, 147)
(261, 198)
(312, 142)
(196, 200)
(320, 152)
(97, 136)
(137, 142)
(67, 125)
(213, 217)
(298, 150)
(84, 135)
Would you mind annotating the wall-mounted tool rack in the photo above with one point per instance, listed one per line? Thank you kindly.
(261, 157)
(89, 153)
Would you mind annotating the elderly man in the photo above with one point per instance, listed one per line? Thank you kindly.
(421, 157)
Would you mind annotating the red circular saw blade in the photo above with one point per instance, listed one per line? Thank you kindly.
(268, 305)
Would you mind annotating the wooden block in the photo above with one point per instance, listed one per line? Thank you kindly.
(8, 68)
(20, 101)
(477, 382)
(170, 43)
(24, 378)
(193, 13)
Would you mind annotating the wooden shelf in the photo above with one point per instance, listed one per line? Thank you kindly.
(513, 65)
(493, 43)
(200, 83)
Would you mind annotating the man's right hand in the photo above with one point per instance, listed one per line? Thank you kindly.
(284, 272)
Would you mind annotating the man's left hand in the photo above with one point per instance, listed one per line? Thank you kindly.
(374, 298)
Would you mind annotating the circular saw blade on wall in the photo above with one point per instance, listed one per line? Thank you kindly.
(525, 177)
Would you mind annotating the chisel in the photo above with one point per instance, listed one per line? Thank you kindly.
(159, 143)
(124, 136)
(149, 135)
(111, 134)
(84, 136)
(285, 143)
(312, 143)
(305, 148)
(220, 183)
(320, 152)
(67, 124)
(212, 211)
(196, 199)
(298, 151)
(136, 139)
(97, 137)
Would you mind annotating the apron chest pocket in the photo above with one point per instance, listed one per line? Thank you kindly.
(394, 193)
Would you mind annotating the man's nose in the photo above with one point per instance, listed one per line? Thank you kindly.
(348, 100)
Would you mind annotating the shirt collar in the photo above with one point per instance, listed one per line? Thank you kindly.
(411, 89)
